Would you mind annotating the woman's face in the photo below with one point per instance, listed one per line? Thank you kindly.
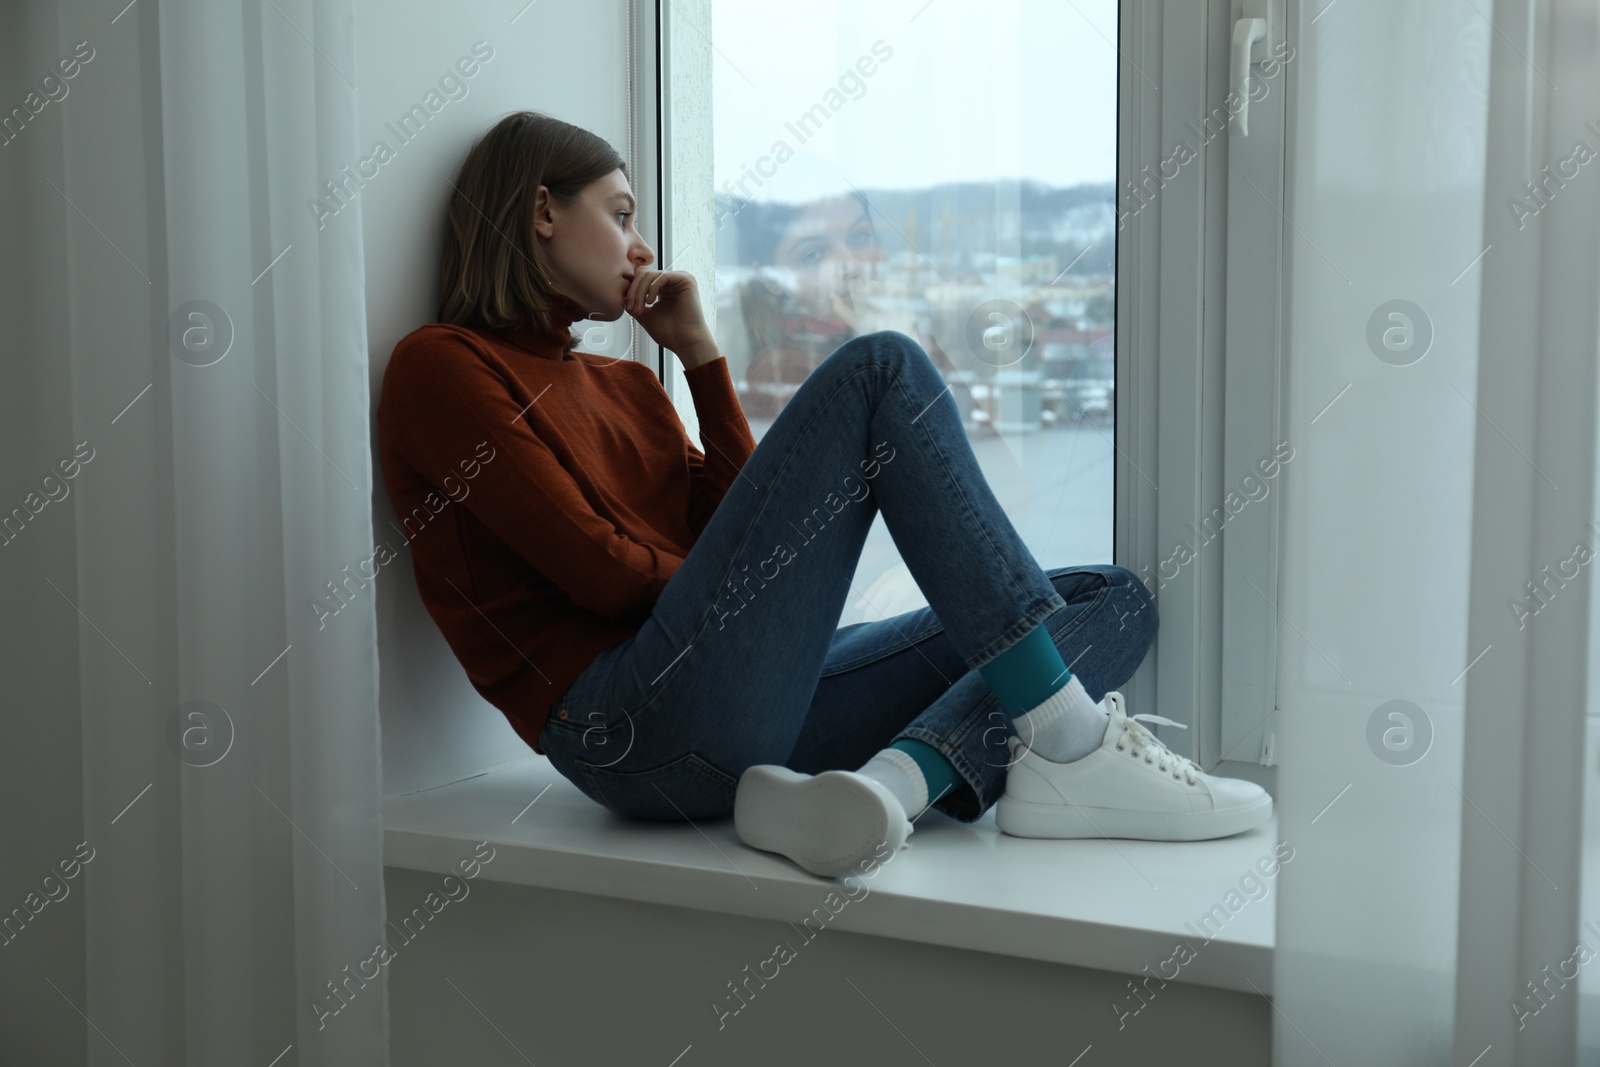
(827, 248)
(592, 246)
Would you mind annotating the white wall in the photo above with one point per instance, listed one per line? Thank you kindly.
(563, 57)
(571, 978)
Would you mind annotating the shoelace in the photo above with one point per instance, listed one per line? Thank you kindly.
(1146, 744)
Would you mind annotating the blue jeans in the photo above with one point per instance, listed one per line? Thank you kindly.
(742, 660)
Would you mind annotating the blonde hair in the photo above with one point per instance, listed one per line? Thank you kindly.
(492, 272)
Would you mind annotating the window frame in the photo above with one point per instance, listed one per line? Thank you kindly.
(673, 63)
(1198, 390)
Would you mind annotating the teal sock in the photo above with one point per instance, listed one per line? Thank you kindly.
(1028, 673)
(937, 771)
(1023, 677)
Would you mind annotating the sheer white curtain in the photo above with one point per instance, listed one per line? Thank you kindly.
(186, 468)
(1443, 383)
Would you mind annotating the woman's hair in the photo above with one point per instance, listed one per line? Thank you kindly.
(492, 272)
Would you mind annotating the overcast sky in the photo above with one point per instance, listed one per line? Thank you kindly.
(972, 92)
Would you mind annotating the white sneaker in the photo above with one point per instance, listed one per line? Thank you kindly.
(829, 823)
(1131, 786)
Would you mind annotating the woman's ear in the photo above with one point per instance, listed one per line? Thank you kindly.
(543, 216)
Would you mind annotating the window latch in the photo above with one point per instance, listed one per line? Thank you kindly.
(1252, 34)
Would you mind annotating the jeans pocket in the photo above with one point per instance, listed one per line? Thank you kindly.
(686, 788)
(589, 707)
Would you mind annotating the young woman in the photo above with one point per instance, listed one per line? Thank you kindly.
(662, 621)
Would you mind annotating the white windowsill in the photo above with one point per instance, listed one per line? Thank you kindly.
(1115, 905)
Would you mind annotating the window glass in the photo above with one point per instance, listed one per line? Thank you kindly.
(946, 170)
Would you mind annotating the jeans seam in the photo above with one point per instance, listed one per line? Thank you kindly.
(884, 652)
(972, 516)
(1082, 617)
(691, 759)
(762, 510)
(938, 630)
(1036, 615)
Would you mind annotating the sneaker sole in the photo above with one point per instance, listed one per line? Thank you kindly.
(1024, 818)
(827, 823)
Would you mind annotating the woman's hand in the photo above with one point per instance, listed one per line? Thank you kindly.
(667, 304)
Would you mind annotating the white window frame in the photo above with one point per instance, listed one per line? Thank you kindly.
(673, 64)
(1201, 303)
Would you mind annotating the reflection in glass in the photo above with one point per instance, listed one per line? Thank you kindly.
(1007, 282)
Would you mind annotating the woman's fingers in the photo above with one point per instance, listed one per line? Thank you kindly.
(646, 285)
(650, 287)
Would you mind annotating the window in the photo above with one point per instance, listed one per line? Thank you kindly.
(1051, 199)
(943, 170)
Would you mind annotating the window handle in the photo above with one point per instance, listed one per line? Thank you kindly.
(1246, 32)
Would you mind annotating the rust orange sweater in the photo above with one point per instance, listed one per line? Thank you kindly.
(547, 497)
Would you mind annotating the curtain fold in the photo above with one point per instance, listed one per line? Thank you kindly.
(201, 341)
(1522, 844)
(1433, 678)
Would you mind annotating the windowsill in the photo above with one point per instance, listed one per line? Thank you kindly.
(1114, 905)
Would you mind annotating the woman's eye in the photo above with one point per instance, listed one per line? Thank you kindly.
(624, 214)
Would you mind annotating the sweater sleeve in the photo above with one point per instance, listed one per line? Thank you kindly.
(447, 402)
(725, 435)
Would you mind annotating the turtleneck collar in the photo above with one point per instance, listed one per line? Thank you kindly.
(551, 345)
